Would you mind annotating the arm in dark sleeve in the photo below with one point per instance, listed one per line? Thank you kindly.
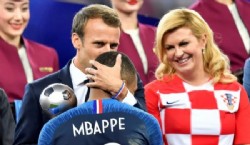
(7, 123)
(31, 118)
(246, 77)
(139, 95)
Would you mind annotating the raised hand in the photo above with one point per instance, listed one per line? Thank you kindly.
(104, 77)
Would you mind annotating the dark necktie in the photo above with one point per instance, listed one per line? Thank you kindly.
(87, 95)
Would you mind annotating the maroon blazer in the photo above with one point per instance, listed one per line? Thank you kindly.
(147, 35)
(226, 33)
(43, 60)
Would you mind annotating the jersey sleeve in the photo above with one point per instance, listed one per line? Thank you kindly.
(152, 102)
(242, 133)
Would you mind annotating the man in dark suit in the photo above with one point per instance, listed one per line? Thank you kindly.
(102, 120)
(95, 30)
(7, 123)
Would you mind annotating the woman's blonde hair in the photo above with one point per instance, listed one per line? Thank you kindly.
(215, 62)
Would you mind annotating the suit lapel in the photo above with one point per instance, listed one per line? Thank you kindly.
(64, 75)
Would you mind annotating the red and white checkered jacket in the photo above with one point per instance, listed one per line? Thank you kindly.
(210, 114)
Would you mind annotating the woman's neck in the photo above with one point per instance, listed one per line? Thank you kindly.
(129, 21)
(195, 79)
(15, 41)
(225, 2)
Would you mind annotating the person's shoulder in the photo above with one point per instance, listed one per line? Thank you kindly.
(152, 83)
(157, 83)
(46, 80)
(1, 91)
(3, 96)
(30, 44)
(248, 61)
(195, 5)
(147, 27)
(243, 3)
(247, 66)
(202, 5)
(37, 86)
(233, 86)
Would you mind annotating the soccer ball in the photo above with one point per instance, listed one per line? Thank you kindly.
(57, 98)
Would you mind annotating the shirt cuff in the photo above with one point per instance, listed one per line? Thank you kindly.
(129, 99)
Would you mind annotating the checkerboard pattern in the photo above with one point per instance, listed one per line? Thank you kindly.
(200, 115)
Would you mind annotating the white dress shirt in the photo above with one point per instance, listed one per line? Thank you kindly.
(26, 64)
(134, 34)
(78, 77)
(240, 26)
(80, 89)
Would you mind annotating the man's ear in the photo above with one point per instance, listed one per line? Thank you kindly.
(76, 41)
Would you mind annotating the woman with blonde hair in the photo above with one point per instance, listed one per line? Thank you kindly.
(196, 99)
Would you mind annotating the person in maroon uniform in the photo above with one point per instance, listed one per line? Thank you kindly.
(137, 39)
(22, 60)
(229, 20)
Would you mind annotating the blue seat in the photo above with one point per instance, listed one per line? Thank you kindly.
(18, 104)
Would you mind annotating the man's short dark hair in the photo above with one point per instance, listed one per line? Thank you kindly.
(107, 14)
(128, 71)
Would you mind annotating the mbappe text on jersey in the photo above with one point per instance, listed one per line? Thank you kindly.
(99, 127)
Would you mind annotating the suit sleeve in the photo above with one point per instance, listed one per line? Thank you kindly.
(31, 121)
(246, 77)
(152, 100)
(7, 123)
(139, 95)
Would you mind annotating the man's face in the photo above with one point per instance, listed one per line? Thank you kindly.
(98, 38)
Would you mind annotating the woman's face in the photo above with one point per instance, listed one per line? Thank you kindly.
(14, 17)
(127, 6)
(184, 51)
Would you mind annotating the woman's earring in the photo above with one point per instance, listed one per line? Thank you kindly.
(203, 50)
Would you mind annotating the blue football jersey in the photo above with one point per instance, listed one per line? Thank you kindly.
(102, 122)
